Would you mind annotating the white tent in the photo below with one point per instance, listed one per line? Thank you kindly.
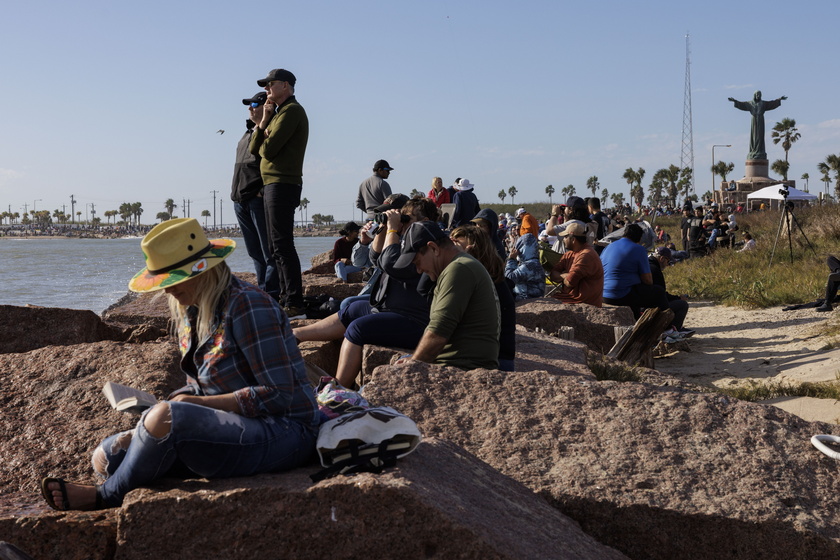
(772, 193)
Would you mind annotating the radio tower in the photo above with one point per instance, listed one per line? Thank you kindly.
(687, 154)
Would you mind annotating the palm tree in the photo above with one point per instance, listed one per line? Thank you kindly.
(136, 210)
(170, 207)
(657, 185)
(512, 192)
(568, 190)
(163, 216)
(805, 178)
(831, 163)
(786, 133)
(605, 195)
(781, 167)
(634, 179)
(205, 214)
(723, 169)
(617, 199)
(549, 190)
(592, 184)
(304, 203)
(502, 195)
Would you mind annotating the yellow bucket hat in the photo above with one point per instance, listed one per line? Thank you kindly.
(175, 251)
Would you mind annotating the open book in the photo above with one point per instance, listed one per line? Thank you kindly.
(128, 399)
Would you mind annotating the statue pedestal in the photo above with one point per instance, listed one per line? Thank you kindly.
(756, 177)
(758, 168)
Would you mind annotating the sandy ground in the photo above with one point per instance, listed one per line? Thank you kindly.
(733, 345)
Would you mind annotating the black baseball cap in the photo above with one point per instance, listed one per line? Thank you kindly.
(259, 99)
(278, 75)
(393, 202)
(382, 164)
(575, 201)
(417, 236)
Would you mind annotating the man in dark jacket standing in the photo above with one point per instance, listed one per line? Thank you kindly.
(246, 194)
(280, 140)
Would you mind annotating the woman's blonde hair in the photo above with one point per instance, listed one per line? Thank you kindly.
(482, 249)
(435, 181)
(210, 286)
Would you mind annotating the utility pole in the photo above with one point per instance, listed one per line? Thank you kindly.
(184, 207)
(687, 154)
(221, 212)
(214, 208)
(25, 208)
(73, 208)
(188, 207)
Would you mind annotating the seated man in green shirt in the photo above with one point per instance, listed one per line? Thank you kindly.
(464, 320)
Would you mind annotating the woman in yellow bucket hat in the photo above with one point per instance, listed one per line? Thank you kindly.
(247, 407)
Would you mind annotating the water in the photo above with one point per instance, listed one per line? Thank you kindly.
(94, 273)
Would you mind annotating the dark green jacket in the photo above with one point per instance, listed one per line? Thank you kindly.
(283, 144)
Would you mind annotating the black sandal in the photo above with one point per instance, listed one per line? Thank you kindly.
(62, 486)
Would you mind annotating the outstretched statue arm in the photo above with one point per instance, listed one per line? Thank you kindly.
(742, 105)
(770, 105)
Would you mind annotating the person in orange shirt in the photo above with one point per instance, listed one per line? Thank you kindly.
(527, 223)
(579, 270)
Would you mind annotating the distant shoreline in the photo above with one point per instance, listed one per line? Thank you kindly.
(211, 234)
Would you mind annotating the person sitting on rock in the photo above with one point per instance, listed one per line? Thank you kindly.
(464, 320)
(579, 270)
(343, 251)
(660, 260)
(527, 223)
(523, 269)
(627, 277)
(247, 408)
(396, 313)
(474, 240)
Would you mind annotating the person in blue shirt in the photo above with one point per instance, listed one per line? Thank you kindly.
(627, 277)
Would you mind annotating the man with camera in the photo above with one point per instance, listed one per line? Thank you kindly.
(398, 310)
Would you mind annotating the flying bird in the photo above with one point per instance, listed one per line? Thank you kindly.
(220, 131)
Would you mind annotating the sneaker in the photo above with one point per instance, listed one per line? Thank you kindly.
(686, 333)
(825, 307)
(294, 312)
(670, 340)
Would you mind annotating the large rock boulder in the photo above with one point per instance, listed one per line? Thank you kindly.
(657, 473)
(329, 284)
(439, 502)
(53, 412)
(593, 326)
(321, 264)
(27, 328)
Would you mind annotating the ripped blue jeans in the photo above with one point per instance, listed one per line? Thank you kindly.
(204, 442)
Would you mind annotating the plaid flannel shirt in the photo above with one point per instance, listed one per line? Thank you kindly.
(252, 354)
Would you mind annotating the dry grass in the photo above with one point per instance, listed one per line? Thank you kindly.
(748, 279)
(606, 369)
(755, 391)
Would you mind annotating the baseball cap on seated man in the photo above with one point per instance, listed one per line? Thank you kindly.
(418, 236)
(382, 164)
(574, 228)
(394, 202)
(257, 100)
(665, 252)
(278, 75)
(575, 201)
(520, 212)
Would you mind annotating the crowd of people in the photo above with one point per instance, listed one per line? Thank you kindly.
(443, 278)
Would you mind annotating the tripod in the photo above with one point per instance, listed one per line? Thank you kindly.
(787, 217)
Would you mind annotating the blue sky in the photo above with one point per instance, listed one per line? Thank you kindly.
(119, 101)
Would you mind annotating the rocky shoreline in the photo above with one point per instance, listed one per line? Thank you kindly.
(544, 462)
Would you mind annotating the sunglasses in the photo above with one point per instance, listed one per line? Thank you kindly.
(255, 104)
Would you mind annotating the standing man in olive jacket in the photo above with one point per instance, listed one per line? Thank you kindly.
(247, 195)
(280, 140)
